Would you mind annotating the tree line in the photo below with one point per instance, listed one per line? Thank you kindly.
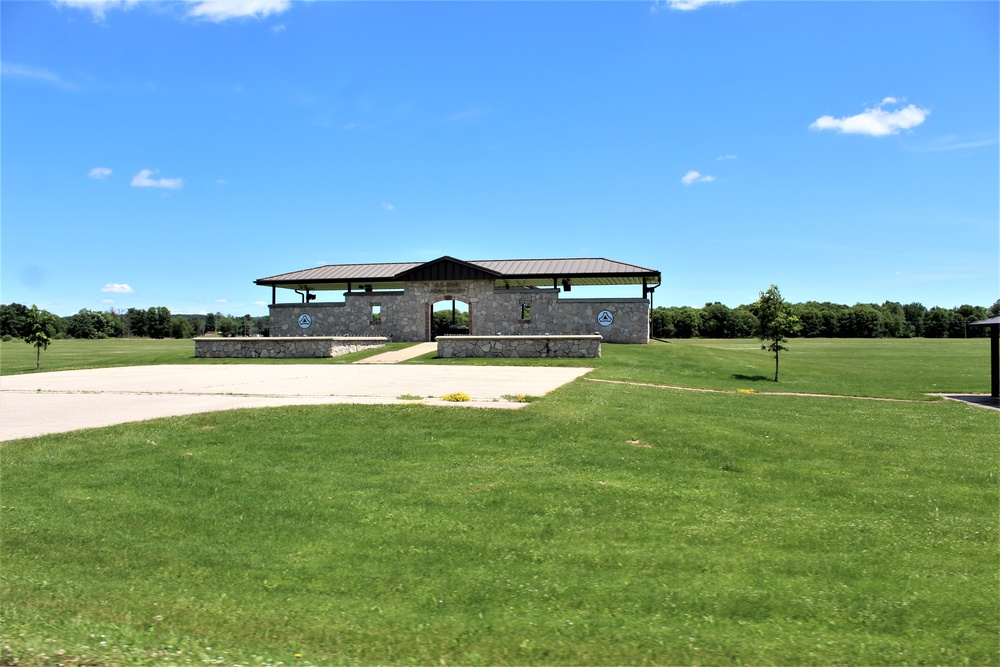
(826, 320)
(714, 320)
(18, 321)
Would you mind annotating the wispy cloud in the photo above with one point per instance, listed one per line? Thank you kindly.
(224, 10)
(143, 180)
(117, 288)
(209, 10)
(99, 173)
(470, 116)
(875, 122)
(98, 8)
(686, 5)
(723, 158)
(952, 142)
(696, 177)
(388, 207)
(39, 74)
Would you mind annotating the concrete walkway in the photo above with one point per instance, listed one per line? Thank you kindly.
(41, 403)
(396, 356)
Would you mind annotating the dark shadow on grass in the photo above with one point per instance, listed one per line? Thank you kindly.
(751, 378)
(980, 400)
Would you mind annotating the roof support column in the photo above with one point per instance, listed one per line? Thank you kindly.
(995, 360)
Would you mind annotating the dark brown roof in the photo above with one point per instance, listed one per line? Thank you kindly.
(505, 272)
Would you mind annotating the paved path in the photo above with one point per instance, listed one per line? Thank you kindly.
(400, 355)
(41, 403)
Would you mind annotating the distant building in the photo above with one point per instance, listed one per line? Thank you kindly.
(505, 297)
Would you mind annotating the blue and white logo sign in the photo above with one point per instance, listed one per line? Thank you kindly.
(305, 321)
(605, 318)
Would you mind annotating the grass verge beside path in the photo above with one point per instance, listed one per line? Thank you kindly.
(606, 524)
(887, 368)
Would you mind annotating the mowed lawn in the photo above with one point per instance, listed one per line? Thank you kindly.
(607, 524)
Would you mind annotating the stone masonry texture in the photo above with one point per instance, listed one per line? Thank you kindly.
(588, 347)
(282, 347)
(404, 315)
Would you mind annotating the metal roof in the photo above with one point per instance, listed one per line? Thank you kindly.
(509, 273)
(993, 321)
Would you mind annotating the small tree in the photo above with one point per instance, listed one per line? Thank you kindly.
(38, 335)
(775, 323)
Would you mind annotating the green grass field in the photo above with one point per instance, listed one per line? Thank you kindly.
(888, 368)
(606, 524)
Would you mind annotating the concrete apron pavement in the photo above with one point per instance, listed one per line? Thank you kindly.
(42, 403)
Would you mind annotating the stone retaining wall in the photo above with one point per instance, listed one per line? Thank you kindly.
(285, 347)
(519, 346)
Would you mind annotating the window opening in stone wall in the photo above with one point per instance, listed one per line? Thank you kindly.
(525, 312)
(376, 313)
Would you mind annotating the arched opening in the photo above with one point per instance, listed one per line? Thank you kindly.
(450, 317)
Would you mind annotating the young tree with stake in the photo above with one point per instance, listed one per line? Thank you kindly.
(775, 322)
(39, 321)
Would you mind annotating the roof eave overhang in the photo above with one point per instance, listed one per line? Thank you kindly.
(638, 276)
(332, 285)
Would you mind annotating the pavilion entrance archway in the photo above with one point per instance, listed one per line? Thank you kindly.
(450, 315)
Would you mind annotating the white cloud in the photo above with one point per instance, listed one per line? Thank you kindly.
(876, 122)
(117, 288)
(696, 177)
(99, 173)
(223, 10)
(143, 180)
(222, 301)
(722, 158)
(687, 5)
(388, 207)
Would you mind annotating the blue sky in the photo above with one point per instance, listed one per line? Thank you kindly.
(168, 154)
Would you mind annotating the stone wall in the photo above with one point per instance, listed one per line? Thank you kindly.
(405, 315)
(630, 318)
(588, 347)
(299, 347)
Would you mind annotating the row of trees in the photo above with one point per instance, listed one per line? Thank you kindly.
(18, 321)
(714, 320)
(826, 320)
